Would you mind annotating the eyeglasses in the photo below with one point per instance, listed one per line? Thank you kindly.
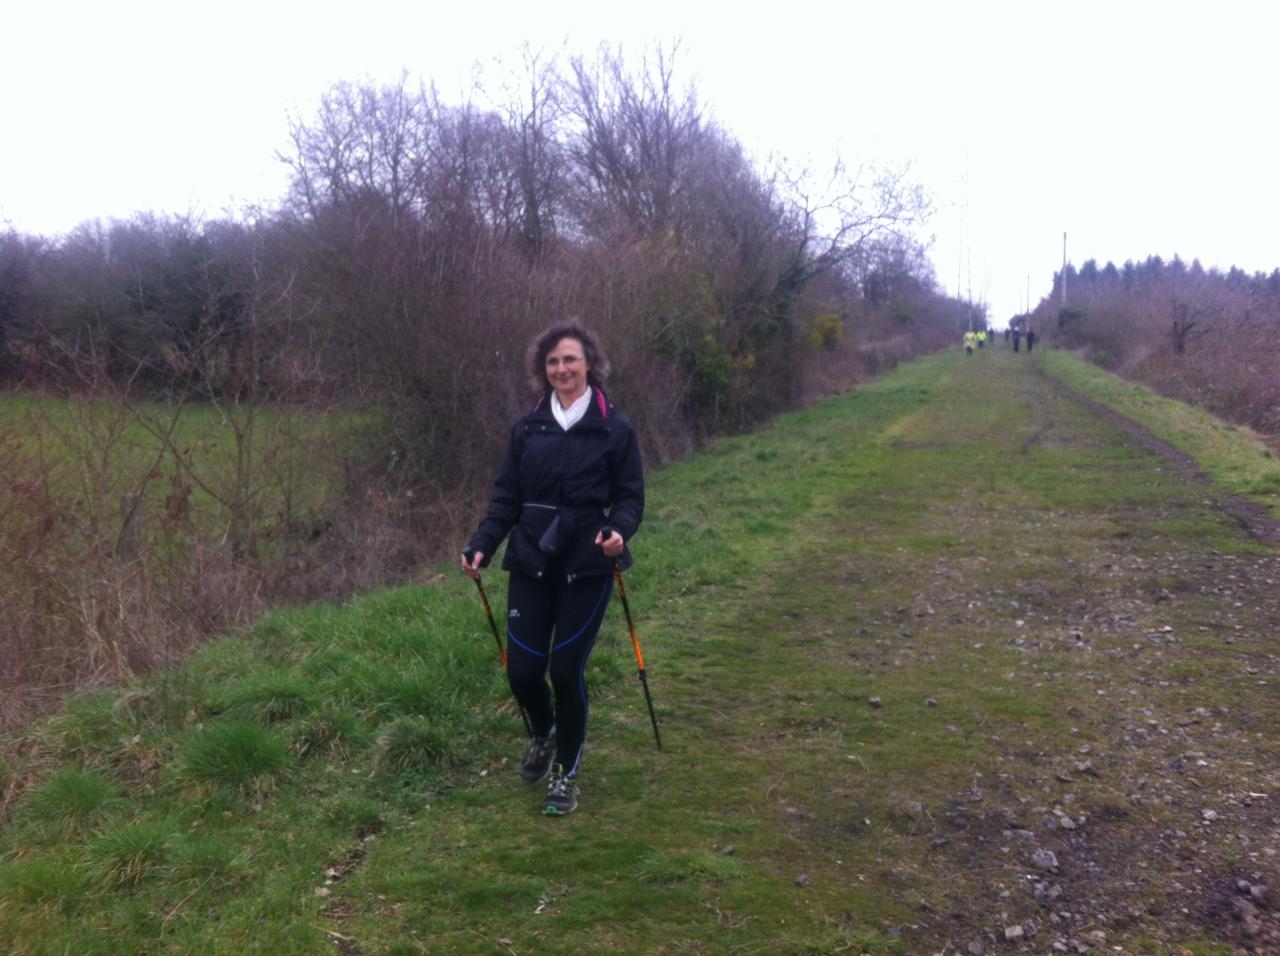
(567, 361)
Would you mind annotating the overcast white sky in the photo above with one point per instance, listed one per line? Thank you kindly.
(1136, 128)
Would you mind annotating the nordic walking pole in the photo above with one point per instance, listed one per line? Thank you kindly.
(502, 651)
(635, 646)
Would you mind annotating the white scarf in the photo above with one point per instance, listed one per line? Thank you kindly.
(568, 417)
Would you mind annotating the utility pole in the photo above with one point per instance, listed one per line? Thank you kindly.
(1064, 270)
(969, 285)
(1027, 312)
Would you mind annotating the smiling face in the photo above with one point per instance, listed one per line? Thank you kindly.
(567, 369)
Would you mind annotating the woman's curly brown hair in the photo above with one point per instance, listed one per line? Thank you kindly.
(546, 341)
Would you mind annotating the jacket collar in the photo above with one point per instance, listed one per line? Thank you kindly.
(599, 409)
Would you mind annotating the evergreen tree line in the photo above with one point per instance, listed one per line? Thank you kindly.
(1202, 335)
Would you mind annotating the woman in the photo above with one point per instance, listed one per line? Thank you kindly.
(571, 495)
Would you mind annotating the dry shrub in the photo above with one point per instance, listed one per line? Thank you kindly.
(876, 358)
(830, 373)
(377, 539)
(77, 616)
(92, 596)
(1261, 408)
(1208, 338)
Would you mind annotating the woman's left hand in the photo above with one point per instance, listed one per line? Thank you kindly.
(612, 545)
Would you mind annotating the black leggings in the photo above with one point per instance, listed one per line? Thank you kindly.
(537, 610)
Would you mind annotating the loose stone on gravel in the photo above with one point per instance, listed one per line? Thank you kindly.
(1043, 859)
(1248, 915)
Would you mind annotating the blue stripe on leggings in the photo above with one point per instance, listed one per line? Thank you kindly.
(511, 637)
(582, 689)
(604, 597)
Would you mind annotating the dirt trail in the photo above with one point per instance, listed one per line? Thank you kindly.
(1036, 678)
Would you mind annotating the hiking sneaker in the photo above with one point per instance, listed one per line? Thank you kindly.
(537, 759)
(562, 794)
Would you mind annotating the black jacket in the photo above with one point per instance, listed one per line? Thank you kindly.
(591, 476)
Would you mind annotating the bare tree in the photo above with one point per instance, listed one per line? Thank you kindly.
(634, 140)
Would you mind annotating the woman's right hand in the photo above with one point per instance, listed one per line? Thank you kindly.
(472, 570)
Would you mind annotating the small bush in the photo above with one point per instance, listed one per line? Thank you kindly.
(1104, 358)
(234, 753)
(825, 331)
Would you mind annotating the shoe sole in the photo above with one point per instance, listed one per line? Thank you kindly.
(557, 812)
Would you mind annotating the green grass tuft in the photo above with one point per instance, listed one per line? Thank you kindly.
(70, 801)
(43, 880)
(266, 696)
(126, 856)
(414, 744)
(330, 731)
(204, 857)
(670, 866)
(234, 753)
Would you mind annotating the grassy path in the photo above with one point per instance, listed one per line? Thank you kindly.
(949, 665)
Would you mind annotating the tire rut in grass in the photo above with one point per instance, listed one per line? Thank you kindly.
(1250, 515)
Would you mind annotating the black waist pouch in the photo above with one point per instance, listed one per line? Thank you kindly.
(554, 527)
(557, 534)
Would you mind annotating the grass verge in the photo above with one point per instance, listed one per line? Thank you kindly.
(1230, 455)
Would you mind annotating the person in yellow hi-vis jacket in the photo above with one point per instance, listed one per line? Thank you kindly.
(970, 340)
(982, 338)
